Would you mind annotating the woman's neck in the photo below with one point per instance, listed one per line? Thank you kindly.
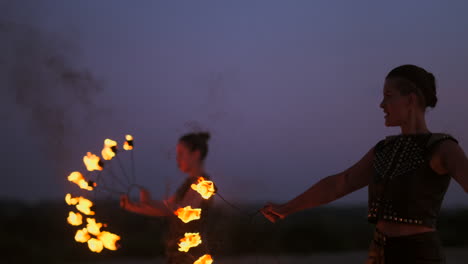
(415, 125)
(197, 172)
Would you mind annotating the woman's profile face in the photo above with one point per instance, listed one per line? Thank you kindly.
(395, 106)
(186, 159)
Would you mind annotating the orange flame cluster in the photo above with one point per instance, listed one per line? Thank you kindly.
(109, 150)
(82, 235)
(205, 259)
(95, 245)
(189, 241)
(204, 188)
(82, 204)
(102, 239)
(188, 214)
(92, 162)
(128, 144)
(75, 219)
(96, 239)
(77, 178)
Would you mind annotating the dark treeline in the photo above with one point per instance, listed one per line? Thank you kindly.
(32, 233)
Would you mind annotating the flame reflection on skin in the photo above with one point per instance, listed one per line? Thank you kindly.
(188, 214)
(190, 240)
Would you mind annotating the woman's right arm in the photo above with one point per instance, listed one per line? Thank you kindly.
(146, 206)
(327, 190)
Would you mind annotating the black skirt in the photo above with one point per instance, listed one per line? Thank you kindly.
(423, 248)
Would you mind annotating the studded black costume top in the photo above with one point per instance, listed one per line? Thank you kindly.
(404, 188)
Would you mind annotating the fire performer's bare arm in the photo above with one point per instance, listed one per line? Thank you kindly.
(145, 206)
(150, 207)
(454, 162)
(326, 190)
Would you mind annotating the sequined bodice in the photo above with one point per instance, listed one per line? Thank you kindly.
(404, 188)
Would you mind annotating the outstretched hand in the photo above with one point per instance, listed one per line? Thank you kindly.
(272, 212)
(124, 200)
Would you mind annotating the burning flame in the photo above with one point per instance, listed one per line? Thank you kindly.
(84, 206)
(188, 214)
(77, 177)
(205, 259)
(92, 162)
(93, 227)
(189, 241)
(95, 245)
(70, 200)
(75, 219)
(204, 188)
(82, 235)
(128, 145)
(110, 147)
(108, 240)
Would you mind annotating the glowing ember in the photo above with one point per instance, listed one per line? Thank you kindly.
(189, 241)
(205, 259)
(77, 177)
(204, 188)
(82, 235)
(109, 240)
(75, 219)
(95, 245)
(188, 214)
(84, 206)
(128, 145)
(110, 147)
(93, 227)
(92, 162)
(70, 200)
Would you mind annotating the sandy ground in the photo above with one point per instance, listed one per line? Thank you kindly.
(454, 256)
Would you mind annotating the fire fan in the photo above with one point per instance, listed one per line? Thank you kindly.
(89, 230)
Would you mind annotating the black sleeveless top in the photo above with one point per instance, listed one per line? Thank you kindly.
(404, 187)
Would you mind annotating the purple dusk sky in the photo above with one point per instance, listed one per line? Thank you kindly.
(289, 90)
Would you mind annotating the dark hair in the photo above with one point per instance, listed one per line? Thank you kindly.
(414, 79)
(197, 141)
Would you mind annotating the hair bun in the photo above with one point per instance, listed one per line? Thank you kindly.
(431, 94)
(204, 135)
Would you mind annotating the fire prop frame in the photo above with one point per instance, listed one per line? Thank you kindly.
(91, 234)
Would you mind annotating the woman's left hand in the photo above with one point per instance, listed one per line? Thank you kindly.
(273, 212)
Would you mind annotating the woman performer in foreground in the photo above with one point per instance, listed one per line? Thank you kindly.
(407, 174)
(191, 153)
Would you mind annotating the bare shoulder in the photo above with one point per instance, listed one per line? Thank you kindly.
(446, 156)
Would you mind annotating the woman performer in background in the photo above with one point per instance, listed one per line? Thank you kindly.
(407, 174)
(191, 152)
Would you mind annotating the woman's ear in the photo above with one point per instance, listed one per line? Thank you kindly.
(197, 154)
(413, 100)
